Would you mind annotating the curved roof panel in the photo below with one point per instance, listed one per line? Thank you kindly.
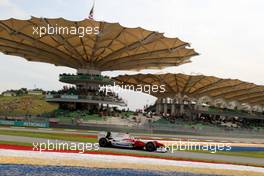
(114, 48)
(197, 86)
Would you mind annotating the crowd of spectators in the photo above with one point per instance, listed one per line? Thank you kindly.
(216, 117)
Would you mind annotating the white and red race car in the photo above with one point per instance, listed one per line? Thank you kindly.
(124, 140)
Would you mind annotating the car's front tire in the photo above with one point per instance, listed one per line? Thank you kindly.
(103, 142)
(150, 147)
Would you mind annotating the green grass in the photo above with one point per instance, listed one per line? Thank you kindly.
(54, 136)
(16, 143)
(251, 154)
(23, 105)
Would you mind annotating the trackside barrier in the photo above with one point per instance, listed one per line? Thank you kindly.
(24, 124)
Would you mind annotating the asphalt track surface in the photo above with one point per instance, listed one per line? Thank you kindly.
(30, 170)
(174, 137)
(177, 154)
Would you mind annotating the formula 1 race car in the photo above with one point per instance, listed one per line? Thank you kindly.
(124, 140)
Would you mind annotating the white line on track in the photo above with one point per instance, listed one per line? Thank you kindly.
(126, 159)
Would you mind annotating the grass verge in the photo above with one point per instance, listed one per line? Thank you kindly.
(52, 136)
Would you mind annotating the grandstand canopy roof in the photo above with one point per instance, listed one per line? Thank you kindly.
(114, 48)
(197, 86)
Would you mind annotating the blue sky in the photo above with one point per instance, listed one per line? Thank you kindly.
(228, 35)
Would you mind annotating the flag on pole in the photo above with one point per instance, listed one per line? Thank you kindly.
(91, 14)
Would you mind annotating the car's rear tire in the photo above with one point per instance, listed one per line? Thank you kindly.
(103, 142)
(150, 147)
